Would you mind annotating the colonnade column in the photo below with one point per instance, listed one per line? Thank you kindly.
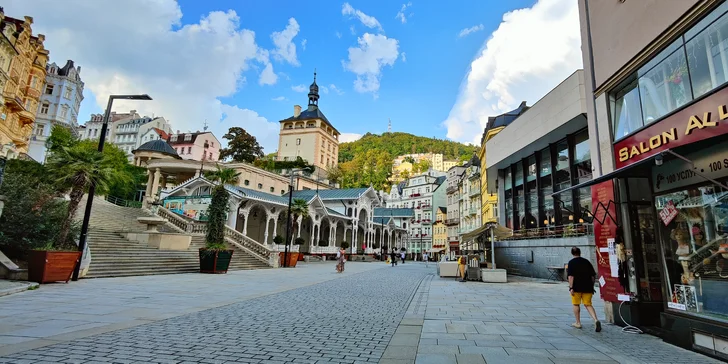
(267, 224)
(246, 213)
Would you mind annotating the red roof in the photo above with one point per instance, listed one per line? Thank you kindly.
(161, 133)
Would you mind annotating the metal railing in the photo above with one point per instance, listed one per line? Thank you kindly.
(561, 231)
(122, 202)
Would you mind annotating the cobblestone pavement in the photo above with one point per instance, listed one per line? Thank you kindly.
(523, 321)
(345, 320)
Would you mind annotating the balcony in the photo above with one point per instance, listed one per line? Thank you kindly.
(415, 195)
(12, 102)
(562, 231)
(26, 117)
(451, 222)
(473, 176)
(473, 211)
(474, 192)
(451, 189)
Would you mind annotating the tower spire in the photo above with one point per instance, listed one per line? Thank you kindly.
(389, 127)
(313, 94)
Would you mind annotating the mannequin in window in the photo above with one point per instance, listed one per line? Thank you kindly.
(682, 237)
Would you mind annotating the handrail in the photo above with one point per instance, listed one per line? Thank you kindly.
(122, 202)
(258, 250)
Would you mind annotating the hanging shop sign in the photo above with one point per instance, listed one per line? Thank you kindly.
(704, 119)
(668, 213)
(710, 162)
(605, 231)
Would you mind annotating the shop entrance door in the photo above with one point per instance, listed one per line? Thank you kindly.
(645, 252)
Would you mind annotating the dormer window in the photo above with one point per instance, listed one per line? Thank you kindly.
(173, 138)
(188, 137)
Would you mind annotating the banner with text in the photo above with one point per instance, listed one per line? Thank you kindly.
(605, 230)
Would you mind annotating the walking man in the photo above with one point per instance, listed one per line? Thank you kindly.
(393, 257)
(581, 286)
(425, 258)
(402, 257)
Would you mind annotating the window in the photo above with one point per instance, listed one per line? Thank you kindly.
(173, 138)
(33, 82)
(508, 187)
(322, 159)
(188, 137)
(283, 192)
(665, 87)
(39, 129)
(272, 189)
(64, 111)
(260, 186)
(707, 52)
(518, 192)
(189, 150)
(28, 104)
(67, 94)
(246, 182)
(298, 141)
(546, 208)
(44, 108)
(531, 193)
(49, 90)
(562, 180)
(583, 169)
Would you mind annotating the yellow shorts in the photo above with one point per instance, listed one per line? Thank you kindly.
(581, 298)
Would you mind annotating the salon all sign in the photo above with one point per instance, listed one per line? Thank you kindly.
(704, 119)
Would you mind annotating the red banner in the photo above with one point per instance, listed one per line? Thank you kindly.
(605, 211)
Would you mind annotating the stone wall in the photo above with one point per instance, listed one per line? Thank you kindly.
(530, 258)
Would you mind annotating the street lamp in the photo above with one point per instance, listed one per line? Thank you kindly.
(288, 221)
(92, 188)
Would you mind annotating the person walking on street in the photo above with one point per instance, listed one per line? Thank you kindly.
(425, 258)
(581, 286)
(393, 258)
(338, 261)
(402, 257)
(462, 263)
(342, 260)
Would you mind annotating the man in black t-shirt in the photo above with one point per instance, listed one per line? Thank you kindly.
(581, 286)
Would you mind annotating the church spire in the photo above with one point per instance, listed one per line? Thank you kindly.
(313, 94)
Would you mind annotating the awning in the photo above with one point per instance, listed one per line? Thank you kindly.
(641, 169)
(435, 250)
(500, 232)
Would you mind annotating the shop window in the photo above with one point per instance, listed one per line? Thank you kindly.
(518, 192)
(546, 208)
(665, 87)
(562, 180)
(508, 198)
(696, 250)
(531, 193)
(583, 173)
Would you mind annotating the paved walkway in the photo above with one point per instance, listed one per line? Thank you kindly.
(62, 312)
(523, 321)
(372, 313)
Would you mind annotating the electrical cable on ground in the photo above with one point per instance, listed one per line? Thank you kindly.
(629, 328)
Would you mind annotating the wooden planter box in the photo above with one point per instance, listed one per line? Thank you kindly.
(293, 258)
(215, 261)
(51, 266)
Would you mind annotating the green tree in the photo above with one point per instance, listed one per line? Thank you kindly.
(335, 174)
(299, 208)
(242, 147)
(61, 137)
(76, 168)
(217, 212)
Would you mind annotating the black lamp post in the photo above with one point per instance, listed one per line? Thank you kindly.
(92, 188)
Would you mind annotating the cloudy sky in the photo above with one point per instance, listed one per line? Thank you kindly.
(434, 69)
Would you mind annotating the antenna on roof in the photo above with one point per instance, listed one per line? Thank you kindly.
(205, 125)
(389, 127)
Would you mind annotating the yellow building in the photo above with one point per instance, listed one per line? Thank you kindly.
(26, 72)
(439, 230)
(489, 202)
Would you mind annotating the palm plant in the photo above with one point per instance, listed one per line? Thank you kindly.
(217, 212)
(299, 208)
(77, 168)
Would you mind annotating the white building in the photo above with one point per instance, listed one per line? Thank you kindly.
(129, 134)
(59, 105)
(423, 193)
(92, 128)
(454, 175)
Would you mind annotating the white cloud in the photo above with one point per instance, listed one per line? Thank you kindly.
(367, 60)
(336, 89)
(338, 35)
(154, 53)
(268, 77)
(279, 98)
(349, 137)
(324, 89)
(466, 31)
(501, 75)
(404, 57)
(285, 48)
(299, 88)
(401, 15)
(368, 21)
(352, 29)
(303, 44)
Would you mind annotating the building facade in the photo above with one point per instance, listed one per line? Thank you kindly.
(454, 175)
(199, 146)
(59, 105)
(309, 134)
(92, 128)
(423, 193)
(532, 165)
(439, 231)
(129, 134)
(657, 108)
(402, 167)
(489, 201)
(8, 38)
(22, 90)
(469, 203)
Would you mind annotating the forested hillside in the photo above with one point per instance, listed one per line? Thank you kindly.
(402, 143)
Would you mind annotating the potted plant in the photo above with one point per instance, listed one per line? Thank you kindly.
(299, 208)
(215, 257)
(278, 240)
(75, 167)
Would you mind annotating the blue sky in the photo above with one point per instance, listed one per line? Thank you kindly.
(424, 64)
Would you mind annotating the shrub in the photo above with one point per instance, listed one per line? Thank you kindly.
(278, 240)
(299, 241)
(344, 245)
(323, 242)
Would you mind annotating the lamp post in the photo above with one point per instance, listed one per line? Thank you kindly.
(288, 220)
(92, 188)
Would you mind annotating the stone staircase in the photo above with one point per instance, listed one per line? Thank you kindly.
(112, 255)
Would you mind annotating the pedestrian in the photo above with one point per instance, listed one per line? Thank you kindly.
(393, 258)
(342, 260)
(424, 257)
(338, 261)
(462, 263)
(581, 286)
(402, 257)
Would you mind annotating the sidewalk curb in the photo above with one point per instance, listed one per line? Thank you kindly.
(23, 286)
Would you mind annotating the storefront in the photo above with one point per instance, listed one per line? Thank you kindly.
(661, 218)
